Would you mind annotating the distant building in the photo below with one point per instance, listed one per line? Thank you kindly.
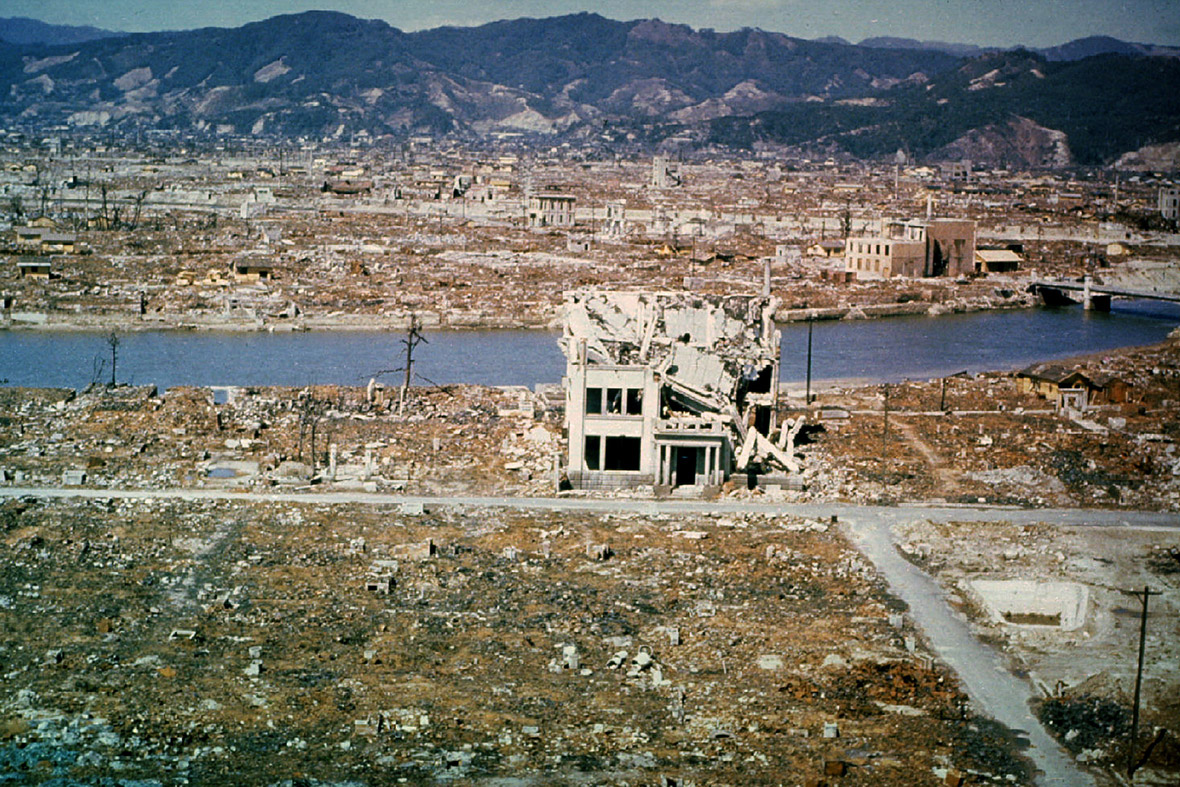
(664, 174)
(826, 249)
(1074, 389)
(34, 268)
(28, 237)
(1169, 203)
(616, 218)
(997, 261)
(956, 171)
(247, 270)
(929, 247)
(58, 242)
(550, 209)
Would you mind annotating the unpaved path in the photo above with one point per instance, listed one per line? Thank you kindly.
(993, 690)
(946, 477)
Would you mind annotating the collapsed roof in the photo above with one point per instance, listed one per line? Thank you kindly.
(706, 343)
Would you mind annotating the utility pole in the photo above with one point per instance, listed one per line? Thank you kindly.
(1143, 596)
(113, 341)
(412, 340)
(942, 401)
(810, 323)
(885, 425)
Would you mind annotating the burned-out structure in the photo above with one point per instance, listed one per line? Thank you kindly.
(669, 388)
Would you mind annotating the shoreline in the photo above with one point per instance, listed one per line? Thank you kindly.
(73, 322)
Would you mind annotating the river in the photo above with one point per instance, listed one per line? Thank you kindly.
(882, 350)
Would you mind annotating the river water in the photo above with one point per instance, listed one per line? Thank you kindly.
(882, 350)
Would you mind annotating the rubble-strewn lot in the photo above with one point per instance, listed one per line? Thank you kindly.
(1058, 601)
(987, 442)
(213, 642)
(206, 642)
(449, 438)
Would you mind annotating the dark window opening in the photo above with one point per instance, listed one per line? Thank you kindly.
(593, 401)
(592, 444)
(762, 420)
(622, 453)
(614, 401)
(760, 381)
(634, 401)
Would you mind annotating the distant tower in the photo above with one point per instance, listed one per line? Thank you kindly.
(663, 174)
(616, 218)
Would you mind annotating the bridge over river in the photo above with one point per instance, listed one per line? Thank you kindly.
(1095, 297)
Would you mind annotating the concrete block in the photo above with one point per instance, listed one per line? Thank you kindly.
(770, 661)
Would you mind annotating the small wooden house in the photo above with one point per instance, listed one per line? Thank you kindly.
(34, 268)
(252, 270)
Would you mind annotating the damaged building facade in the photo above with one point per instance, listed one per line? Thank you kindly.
(916, 248)
(669, 388)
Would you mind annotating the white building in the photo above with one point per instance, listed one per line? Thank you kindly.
(668, 388)
(1169, 203)
(664, 174)
(550, 209)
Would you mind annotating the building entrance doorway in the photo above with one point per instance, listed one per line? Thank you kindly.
(686, 466)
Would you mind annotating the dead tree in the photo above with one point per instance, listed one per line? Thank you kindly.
(311, 412)
(138, 206)
(413, 339)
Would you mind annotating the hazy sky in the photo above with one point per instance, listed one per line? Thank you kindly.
(987, 22)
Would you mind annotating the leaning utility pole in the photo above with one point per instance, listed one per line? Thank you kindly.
(1143, 596)
(412, 340)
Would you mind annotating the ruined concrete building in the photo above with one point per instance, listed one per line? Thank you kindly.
(916, 248)
(550, 209)
(664, 173)
(670, 388)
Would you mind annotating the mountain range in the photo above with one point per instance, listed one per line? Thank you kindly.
(595, 81)
(22, 30)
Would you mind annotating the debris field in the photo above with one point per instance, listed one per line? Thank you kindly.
(199, 642)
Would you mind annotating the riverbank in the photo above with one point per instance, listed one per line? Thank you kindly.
(125, 323)
(458, 321)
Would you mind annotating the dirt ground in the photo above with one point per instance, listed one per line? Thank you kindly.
(197, 643)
